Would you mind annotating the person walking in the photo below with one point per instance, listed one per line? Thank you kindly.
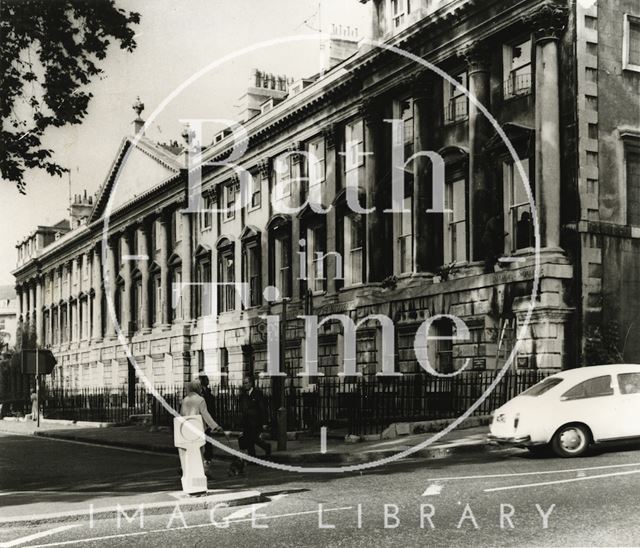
(208, 398)
(34, 405)
(254, 417)
(194, 404)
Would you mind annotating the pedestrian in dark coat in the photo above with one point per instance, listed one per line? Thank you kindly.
(254, 417)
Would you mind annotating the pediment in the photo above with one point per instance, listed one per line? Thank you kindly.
(136, 169)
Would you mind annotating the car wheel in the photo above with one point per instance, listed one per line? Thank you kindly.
(572, 440)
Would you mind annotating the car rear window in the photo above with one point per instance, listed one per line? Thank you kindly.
(629, 383)
(592, 388)
(542, 387)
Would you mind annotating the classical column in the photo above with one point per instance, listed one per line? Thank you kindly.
(32, 306)
(59, 307)
(481, 203)
(96, 282)
(143, 266)
(75, 275)
(165, 242)
(331, 167)
(186, 245)
(428, 226)
(38, 302)
(50, 327)
(79, 319)
(69, 321)
(20, 303)
(110, 287)
(296, 236)
(378, 259)
(127, 276)
(549, 22)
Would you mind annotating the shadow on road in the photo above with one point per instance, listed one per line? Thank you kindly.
(36, 469)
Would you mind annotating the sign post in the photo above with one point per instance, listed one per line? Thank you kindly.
(38, 362)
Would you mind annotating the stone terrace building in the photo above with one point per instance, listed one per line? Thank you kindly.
(561, 80)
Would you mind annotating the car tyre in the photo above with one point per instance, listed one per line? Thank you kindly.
(572, 440)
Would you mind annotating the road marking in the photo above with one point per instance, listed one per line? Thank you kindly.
(323, 440)
(557, 482)
(515, 474)
(433, 489)
(199, 526)
(36, 536)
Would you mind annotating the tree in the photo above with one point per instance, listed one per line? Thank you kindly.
(49, 51)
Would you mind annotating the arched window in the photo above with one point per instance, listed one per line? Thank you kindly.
(155, 292)
(313, 231)
(136, 300)
(251, 265)
(175, 285)
(350, 234)
(64, 323)
(54, 326)
(279, 230)
(455, 223)
(119, 300)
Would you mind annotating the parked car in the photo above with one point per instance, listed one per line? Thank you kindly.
(572, 410)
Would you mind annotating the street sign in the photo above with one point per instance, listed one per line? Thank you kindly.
(43, 365)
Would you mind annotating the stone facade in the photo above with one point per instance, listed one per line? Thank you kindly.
(477, 263)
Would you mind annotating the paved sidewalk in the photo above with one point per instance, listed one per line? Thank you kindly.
(302, 451)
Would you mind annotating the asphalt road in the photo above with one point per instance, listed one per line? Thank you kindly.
(590, 501)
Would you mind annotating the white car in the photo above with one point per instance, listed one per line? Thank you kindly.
(573, 409)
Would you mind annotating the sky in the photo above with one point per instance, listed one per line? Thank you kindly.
(176, 38)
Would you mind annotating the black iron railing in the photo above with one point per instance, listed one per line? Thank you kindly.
(517, 85)
(355, 405)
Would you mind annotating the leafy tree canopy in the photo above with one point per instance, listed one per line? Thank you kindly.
(49, 51)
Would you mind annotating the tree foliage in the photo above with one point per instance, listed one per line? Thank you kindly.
(49, 51)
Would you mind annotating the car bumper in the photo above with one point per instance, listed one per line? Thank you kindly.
(523, 441)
